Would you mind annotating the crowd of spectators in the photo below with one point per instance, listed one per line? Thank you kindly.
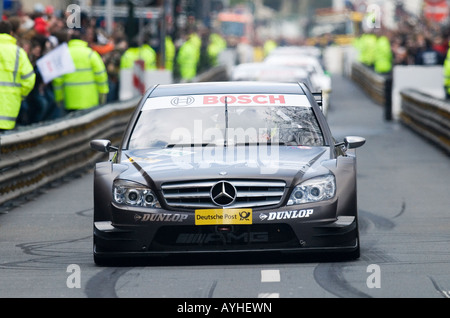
(41, 30)
(414, 41)
(419, 41)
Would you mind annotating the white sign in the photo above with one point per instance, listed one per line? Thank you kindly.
(55, 63)
(427, 79)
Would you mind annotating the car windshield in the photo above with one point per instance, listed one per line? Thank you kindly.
(206, 126)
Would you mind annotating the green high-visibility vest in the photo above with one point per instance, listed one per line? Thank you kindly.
(81, 89)
(216, 45)
(383, 55)
(447, 72)
(187, 60)
(170, 53)
(17, 79)
(367, 44)
(132, 54)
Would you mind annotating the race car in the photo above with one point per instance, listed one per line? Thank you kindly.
(258, 71)
(310, 62)
(226, 167)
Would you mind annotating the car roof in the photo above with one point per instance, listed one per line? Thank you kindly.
(291, 50)
(292, 60)
(260, 70)
(266, 72)
(232, 87)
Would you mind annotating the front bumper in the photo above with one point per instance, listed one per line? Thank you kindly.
(323, 236)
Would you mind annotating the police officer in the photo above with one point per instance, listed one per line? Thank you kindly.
(188, 57)
(447, 76)
(139, 48)
(216, 45)
(86, 87)
(170, 53)
(138, 52)
(17, 77)
(367, 44)
(383, 60)
(269, 46)
(383, 55)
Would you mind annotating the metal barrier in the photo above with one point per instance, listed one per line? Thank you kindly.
(370, 82)
(377, 86)
(427, 115)
(33, 157)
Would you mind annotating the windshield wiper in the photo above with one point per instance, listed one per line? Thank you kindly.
(226, 120)
(188, 145)
(268, 143)
(209, 144)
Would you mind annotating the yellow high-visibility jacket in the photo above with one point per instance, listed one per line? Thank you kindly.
(383, 55)
(81, 89)
(269, 46)
(170, 53)
(17, 79)
(216, 45)
(132, 54)
(367, 45)
(188, 57)
(187, 60)
(447, 73)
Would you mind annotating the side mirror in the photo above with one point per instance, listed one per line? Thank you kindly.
(102, 145)
(352, 142)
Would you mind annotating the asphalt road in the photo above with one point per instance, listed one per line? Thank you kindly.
(404, 201)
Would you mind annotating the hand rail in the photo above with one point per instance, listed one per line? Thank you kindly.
(427, 115)
(32, 158)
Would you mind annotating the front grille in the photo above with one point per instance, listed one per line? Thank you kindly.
(249, 193)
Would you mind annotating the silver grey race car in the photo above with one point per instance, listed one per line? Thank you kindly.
(226, 167)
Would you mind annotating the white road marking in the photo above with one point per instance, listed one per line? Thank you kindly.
(270, 275)
(268, 295)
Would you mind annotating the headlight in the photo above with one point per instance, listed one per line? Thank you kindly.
(314, 190)
(134, 194)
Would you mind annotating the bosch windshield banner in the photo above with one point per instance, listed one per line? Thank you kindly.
(229, 99)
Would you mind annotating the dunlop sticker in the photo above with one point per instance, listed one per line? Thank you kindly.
(223, 216)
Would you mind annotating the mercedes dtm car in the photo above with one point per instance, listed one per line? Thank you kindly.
(258, 71)
(226, 167)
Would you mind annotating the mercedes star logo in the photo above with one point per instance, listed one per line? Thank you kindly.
(223, 193)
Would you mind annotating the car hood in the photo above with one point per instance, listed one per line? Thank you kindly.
(155, 166)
